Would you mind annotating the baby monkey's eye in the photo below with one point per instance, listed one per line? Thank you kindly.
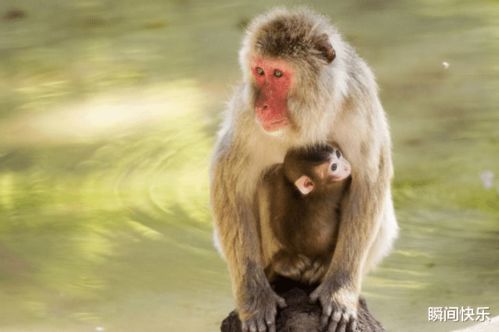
(334, 167)
(278, 73)
(338, 153)
(259, 71)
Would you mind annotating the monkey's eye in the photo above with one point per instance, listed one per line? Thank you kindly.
(338, 153)
(278, 73)
(259, 71)
(334, 167)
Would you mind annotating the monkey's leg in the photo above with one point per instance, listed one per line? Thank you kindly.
(362, 212)
(387, 234)
(237, 230)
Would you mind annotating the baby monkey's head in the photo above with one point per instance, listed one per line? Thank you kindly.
(316, 168)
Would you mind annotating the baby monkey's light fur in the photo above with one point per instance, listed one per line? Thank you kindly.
(328, 102)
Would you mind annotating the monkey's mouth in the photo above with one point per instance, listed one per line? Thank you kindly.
(275, 125)
(269, 119)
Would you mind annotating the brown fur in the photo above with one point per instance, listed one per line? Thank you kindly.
(337, 102)
(289, 37)
(304, 227)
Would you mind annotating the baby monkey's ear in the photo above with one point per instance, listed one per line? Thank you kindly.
(304, 184)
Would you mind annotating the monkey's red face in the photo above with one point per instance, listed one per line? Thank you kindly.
(273, 79)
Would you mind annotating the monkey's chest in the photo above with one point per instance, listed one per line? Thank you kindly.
(310, 235)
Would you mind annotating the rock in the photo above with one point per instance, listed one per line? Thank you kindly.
(300, 315)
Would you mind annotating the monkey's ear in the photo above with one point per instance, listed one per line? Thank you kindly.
(323, 45)
(304, 184)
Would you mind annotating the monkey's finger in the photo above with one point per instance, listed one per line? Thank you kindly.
(293, 274)
(343, 323)
(335, 320)
(327, 306)
(327, 309)
(314, 295)
(341, 327)
(281, 303)
(270, 324)
(324, 321)
(302, 263)
(332, 326)
(244, 326)
(261, 326)
(352, 326)
(252, 325)
(352, 321)
(270, 317)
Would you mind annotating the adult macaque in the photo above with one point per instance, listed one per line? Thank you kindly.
(298, 203)
(302, 85)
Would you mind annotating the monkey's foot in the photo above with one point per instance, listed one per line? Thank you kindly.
(339, 307)
(290, 265)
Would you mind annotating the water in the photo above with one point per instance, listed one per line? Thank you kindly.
(108, 111)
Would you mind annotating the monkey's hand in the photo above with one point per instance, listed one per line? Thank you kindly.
(339, 306)
(259, 310)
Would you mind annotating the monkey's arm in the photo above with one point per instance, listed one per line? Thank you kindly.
(236, 226)
(361, 216)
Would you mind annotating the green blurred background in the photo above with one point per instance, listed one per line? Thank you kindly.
(108, 111)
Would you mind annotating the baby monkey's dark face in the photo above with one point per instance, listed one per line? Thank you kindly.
(316, 168)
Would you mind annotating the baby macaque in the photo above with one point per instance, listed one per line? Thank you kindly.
(303, 199)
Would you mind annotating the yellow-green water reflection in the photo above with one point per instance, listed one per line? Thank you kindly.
(108, 111)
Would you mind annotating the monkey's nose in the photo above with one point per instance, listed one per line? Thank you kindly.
(265, 107)
(334, 167)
